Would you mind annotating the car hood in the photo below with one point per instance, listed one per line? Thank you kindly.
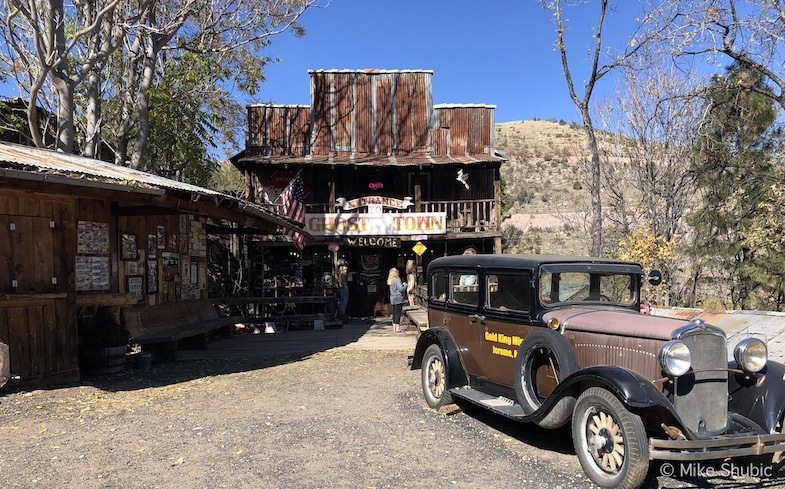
(615, 322)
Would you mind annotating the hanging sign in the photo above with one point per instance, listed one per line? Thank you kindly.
(373, 241)
(374, 200)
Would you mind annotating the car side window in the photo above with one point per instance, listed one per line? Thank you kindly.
(464, 288)
(508, 292)
(438, 284)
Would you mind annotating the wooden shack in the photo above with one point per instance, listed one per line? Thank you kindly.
(79, 233)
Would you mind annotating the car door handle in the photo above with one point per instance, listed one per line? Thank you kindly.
(475, 317)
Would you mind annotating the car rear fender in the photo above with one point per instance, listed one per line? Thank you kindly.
(437, 336)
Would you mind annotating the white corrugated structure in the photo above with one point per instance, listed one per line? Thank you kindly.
(768, 325)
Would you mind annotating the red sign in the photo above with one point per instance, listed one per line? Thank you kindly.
(333, 246)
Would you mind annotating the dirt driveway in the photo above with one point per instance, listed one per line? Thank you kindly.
(340, 418)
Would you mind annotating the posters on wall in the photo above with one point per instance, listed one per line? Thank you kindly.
(135, 285)
(92, 273)
(198, 239)
(92, 238)
(152, 276)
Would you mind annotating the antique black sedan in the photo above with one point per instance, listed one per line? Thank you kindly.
(554, 339)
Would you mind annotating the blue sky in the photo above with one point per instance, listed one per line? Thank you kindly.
(497, 52)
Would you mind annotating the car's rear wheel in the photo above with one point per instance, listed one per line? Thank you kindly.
(434, 378)
(609, 440)
(544, 359)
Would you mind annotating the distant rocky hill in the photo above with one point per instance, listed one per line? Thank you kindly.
(545, 181)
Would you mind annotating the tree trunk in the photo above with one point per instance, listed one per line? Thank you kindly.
(594, 186)
(143, 103)
(65, 112)
(93, 116)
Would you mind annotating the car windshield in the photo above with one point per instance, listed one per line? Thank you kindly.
(589, 286)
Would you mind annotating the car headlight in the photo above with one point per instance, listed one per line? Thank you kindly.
(751, 354)
(675, 358)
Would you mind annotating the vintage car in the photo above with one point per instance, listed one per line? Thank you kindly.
(554, 339)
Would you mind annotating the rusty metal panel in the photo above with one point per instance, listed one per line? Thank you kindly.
(384, 112)
(474, 130)
(364, 113)
(411, 115)
(459, 129)
(421, 113)
(636, 354)
(299, 131)
(276, 130)
(488, 129)
(342, 113)
(255, 125)
(320, 98)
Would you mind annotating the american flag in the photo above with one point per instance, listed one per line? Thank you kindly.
(293, 208)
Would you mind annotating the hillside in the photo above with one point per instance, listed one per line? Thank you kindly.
(545, 180)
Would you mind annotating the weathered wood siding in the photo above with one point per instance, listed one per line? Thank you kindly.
(38, 321)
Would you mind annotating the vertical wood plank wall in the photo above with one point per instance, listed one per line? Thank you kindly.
(38, 322)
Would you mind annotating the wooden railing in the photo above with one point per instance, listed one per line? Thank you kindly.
(462, 216)
(466, 215)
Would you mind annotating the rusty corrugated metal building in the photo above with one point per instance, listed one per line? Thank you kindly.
(384, 168)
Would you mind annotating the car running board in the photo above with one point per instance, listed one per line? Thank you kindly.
(499, 405)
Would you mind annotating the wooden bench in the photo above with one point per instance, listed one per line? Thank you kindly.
(163, 327)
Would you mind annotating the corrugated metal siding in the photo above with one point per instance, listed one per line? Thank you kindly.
(256, 128)
(384, 122)
(357, 114)
(364, 114)
(320, 117)
(342, 113)
(299, 131)
(459, 129)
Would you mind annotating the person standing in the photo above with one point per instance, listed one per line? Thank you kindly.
(411, 281)
(397, 297)
(343, 288)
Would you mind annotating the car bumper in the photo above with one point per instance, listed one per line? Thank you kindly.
(716, 448)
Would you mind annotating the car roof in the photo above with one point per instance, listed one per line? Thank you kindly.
(520, 261)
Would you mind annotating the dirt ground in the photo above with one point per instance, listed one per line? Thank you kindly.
(341, 418)
(333, 419)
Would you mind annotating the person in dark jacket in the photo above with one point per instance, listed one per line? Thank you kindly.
(397, 297)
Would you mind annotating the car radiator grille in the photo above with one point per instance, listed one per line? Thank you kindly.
(701, 396)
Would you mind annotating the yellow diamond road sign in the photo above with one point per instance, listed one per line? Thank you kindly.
(419, 248)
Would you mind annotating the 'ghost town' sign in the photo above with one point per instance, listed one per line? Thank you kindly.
(365, 224)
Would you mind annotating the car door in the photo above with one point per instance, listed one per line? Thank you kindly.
(506, 310)
(463, 319)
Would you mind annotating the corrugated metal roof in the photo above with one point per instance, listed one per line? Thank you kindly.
(24, 162)
(768, 325)
(44, 160)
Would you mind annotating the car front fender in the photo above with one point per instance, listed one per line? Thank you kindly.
(438, 336)
(759, 397)
(636, 392)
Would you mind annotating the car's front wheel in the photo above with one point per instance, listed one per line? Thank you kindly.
(609, 440)
(434, 378)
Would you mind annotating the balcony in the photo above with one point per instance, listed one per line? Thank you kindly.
(464, 216)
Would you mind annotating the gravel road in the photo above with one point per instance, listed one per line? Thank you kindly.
(342, 418)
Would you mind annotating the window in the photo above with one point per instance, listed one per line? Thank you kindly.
(586, 286)
(507, 292)
(465, 288)
(438, 285)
